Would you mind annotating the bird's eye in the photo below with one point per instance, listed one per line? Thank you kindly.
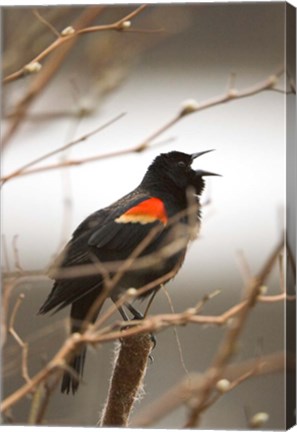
(181, 164)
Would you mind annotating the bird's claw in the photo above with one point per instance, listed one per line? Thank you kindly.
(153, 340)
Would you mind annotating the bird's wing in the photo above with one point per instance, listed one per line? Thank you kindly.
(128, 226)
(118, 228)
(110, 233)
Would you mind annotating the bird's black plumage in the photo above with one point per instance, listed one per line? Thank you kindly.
(112, 234)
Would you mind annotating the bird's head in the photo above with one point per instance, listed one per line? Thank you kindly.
(174, 171)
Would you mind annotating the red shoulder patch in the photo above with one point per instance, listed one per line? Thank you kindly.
(147, 211)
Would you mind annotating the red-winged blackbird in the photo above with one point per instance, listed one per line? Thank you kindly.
(156, 212)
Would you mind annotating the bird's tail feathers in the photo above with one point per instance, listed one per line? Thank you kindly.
(72, 378)
(79, 311)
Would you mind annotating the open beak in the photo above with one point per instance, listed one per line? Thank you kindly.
(203, 173)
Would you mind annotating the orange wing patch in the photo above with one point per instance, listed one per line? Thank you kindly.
(148, 211)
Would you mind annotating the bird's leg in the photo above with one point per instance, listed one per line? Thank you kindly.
(153, 337)
(136, 314)
(150, 302)
(123, 313)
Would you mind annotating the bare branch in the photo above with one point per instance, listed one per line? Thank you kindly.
(229, 386)
(46, 23)
(227, 347)
(60, 149)
(8, 286)
(66, 36)
(55, 365)
(191, 386)
(187, 109)
(41, 400)
(157, 323)
(150, 324)
(46, 73)
(24, 346)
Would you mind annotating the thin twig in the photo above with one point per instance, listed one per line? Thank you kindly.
(46, 74)
(268, 83)
(226, 349)
(24, 346)
(182, 392)
(36, 403)
(150, 324)
(235, 383)
(8, 286)
(46, 23)
(118, 26)
(16, 254)
(177, 339)
(41, 401)
(61, 149)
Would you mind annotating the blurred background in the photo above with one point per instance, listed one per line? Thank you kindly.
(147, 75)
